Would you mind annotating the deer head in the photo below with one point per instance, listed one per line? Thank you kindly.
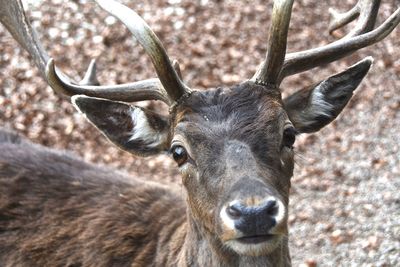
(233, 146)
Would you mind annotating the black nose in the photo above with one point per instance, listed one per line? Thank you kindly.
(253, 220)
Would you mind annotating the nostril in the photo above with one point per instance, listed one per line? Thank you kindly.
(271, 207)
(234, 211)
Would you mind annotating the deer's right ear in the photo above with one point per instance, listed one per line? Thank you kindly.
(133, 129)
(312, 108)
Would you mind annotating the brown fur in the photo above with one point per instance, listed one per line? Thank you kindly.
(56, 210)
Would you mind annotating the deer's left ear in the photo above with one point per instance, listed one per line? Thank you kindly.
(134, 129)
(312, 108)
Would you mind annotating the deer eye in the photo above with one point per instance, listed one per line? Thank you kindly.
(179, 154)
(289, 137)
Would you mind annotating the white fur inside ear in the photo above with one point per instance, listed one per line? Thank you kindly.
(318, 104)
(143, 131)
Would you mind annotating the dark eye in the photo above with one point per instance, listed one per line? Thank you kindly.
(179, 154)
(289, 136)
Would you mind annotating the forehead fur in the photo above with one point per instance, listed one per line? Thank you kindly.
(246, 112)
(240, 105)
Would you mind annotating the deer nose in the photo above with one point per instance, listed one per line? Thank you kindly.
(237, 210)
(254, 220)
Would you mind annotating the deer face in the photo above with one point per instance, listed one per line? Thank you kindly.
(234, 148)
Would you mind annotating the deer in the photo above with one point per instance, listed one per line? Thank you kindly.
(233, 147)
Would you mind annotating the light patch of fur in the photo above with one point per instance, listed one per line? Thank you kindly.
(318, 104)
(282, 163)
(228, 222)
(254, 250)
(143, 131)
(281, 215)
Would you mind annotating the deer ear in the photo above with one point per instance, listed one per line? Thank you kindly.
(312, 108)
(134, 129)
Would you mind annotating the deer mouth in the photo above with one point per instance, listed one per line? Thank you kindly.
(254, 245)
(255, 239)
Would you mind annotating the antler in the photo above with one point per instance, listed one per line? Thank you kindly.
(269, 70)
(152, 45)
(366, 10)
(167, 88)
(361, 36)
(12, 16)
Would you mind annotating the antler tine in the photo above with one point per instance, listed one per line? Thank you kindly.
(269, 70)
(338, 20)
(367, 12)
(150, 89)
(152, 45)
(177, 68)
(12, 15)
(90, 77)
(359, 38)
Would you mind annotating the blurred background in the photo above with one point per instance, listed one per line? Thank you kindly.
(345, 200)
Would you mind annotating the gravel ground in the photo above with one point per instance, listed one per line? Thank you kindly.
(345, 203)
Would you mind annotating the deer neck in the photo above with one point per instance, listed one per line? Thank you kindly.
(203, 248)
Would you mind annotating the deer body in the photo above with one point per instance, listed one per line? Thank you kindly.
(60, 211)
(233, 147)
